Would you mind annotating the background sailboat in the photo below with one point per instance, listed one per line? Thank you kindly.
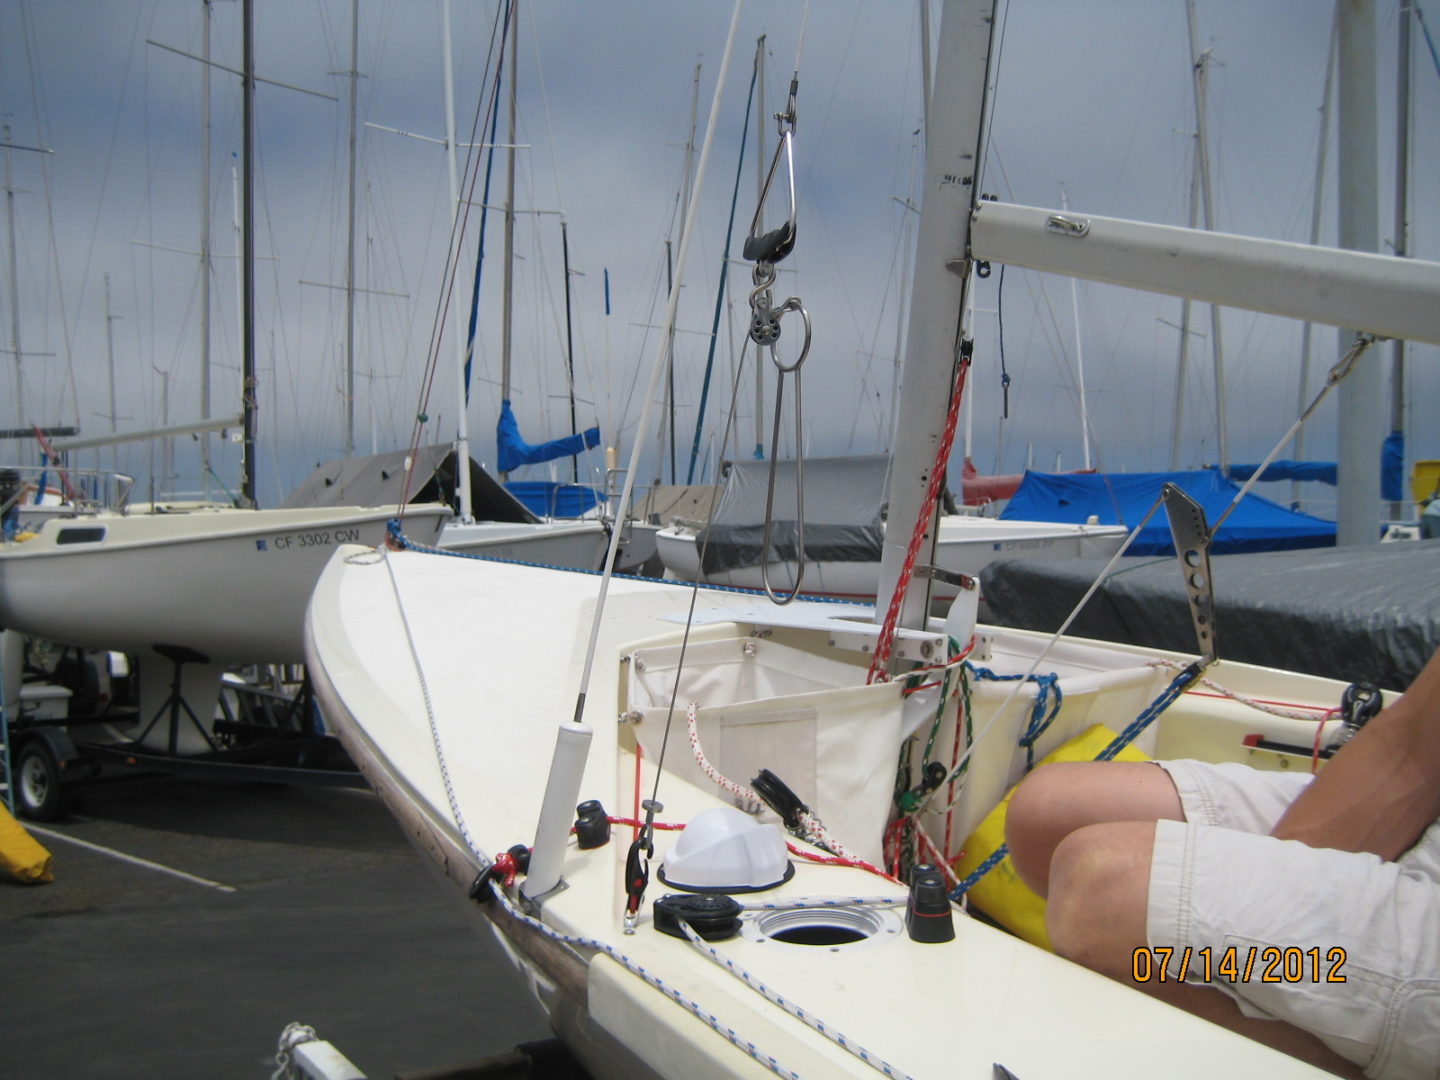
(496, 524)
(845, 525)
(216, 586)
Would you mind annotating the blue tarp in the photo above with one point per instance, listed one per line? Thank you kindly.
(1124, 498)
(515, 451)
(1323, 471)
(549, 499)
(1392, 467)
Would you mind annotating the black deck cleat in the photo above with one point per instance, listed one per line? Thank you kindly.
(714, 916)
(592, 825)
(928, 917)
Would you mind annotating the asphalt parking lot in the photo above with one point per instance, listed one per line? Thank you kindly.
(300, 905)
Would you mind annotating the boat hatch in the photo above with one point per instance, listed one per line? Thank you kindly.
(828, 927)
(80, 534)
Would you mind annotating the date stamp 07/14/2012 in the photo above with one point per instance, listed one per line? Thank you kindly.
(1265, 964)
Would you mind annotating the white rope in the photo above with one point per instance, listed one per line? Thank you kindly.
(294, 1034)
(1303, 712)
(714, 1022)
(800, 42)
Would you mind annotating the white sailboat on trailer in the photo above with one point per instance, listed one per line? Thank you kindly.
(813, 972)
(204, 588)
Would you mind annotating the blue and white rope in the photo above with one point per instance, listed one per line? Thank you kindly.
(810, 1020)
(1178, 686)
(692, 1006)
(440, 760)
(689, 1004)
(824, 902)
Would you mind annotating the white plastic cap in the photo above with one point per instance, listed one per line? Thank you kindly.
(724, 850)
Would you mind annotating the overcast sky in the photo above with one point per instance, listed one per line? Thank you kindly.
(1093, 99)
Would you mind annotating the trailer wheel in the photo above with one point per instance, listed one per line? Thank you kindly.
(39, 795)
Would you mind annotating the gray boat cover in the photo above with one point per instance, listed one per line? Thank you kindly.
(1362, 614)
(844, 512)
(379, 480)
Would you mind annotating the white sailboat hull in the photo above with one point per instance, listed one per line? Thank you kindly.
(966, 545)
(230, 584)
(579, 545)
(454, 721)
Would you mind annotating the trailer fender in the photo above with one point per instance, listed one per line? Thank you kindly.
(57, 740)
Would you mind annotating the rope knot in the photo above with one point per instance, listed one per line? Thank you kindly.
(1042, 712)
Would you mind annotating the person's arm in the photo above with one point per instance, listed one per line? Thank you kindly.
(1382, 790)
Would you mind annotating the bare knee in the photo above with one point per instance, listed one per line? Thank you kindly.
(1099, 887)
(1038, 818)
(1062, 797)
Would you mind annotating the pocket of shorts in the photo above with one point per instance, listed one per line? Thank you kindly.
(1410, 1044)
(1352, 1015)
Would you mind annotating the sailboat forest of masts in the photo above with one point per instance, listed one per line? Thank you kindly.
(879, 738)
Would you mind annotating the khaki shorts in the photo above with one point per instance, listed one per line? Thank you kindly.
(1277, 925)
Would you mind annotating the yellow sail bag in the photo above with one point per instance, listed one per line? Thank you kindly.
(1001, 894)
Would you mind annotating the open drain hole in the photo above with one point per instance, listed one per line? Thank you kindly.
(820, 935)
(829, 927)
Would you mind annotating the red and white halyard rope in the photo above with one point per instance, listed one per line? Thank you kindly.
(886, 640)
(814, 828)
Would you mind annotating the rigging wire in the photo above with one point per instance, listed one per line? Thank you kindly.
(1338, 372)
(724, 279)
(1429, 40)
(658, 365)
(498, 889)
(702, 546)
(42, 124)
(459, 219)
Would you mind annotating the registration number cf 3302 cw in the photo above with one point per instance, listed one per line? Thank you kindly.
(322, 538)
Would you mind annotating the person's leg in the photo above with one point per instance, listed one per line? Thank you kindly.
(1057, 799)
(1105, 868)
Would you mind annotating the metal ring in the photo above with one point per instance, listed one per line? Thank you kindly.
(793, 304)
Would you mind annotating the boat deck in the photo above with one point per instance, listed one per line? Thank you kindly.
(121, 969)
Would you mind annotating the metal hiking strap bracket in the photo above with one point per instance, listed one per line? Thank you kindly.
(945, 577)
(1192, 547)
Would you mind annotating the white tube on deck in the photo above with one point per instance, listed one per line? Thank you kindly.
(557, 812)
